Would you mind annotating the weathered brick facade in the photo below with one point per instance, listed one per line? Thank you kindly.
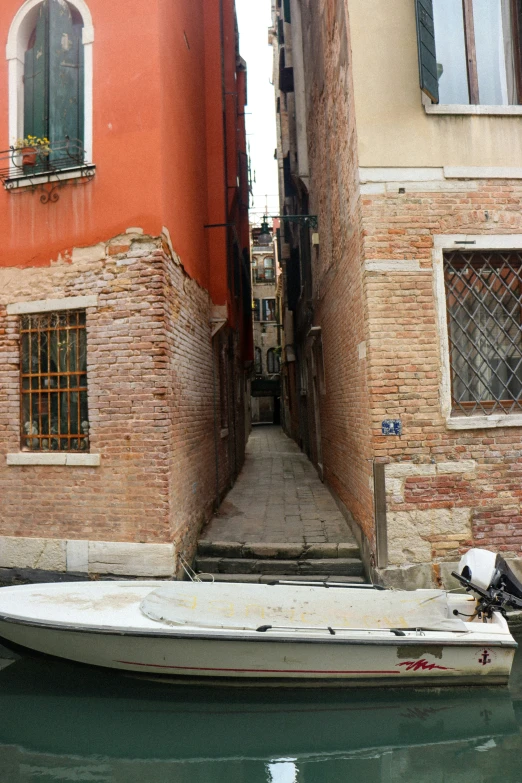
(125, 295)
(377, 290)
(152, 399)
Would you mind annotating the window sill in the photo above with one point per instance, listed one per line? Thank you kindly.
(450, 108)
(62, 175)
(484, 422)
(69, 460)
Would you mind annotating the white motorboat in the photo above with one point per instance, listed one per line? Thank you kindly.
(277, 632)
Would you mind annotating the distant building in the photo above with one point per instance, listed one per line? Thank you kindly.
(125, 295)
(400, 140)
(266, 385)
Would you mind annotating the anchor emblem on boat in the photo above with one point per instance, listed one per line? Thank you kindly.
(485, 658)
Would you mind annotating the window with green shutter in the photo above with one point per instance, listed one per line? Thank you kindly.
(470, 51)
(426, 45)
(54, 77)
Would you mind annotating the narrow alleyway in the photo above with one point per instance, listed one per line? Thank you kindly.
(278, 519)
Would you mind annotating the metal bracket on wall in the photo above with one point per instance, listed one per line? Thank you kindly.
(311, 221)
(218, 318)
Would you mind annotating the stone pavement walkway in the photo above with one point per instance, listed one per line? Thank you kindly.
(278, 498)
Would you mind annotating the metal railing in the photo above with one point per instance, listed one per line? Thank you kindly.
(39, 161)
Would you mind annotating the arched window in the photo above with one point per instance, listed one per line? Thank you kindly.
(272, 362)
(49, 51)
(258, 369)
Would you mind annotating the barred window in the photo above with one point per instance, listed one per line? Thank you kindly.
(484, 310)
(54, 410)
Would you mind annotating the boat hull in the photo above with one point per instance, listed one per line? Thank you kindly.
(264, 660)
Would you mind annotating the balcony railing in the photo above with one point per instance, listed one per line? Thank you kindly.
(48, 168)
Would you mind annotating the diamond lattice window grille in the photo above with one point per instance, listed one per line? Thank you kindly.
(484, 311)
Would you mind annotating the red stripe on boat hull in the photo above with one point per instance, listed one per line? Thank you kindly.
(253, 671)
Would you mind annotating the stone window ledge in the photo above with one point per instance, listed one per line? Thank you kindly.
(448, 108)
(69, 460)
(484, 422)
(48, 305)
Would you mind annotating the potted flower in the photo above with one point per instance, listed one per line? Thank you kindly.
(30, 147)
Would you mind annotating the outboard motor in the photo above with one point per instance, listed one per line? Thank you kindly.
(489, 576)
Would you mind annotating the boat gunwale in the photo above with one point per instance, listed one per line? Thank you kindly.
(243, 635)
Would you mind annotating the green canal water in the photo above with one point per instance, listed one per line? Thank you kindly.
(65, 723)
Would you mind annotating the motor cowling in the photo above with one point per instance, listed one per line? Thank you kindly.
(479, 567)
(489, 570)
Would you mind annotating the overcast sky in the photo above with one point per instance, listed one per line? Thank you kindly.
(254, 19)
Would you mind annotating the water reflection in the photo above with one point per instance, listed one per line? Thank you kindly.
(60, 722)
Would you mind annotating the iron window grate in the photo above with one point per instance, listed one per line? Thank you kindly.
(484, 309)
(54, 409)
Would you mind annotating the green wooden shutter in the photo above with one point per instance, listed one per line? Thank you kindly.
(426, 45)
(36, 85)
(65, 75)
(287, 12)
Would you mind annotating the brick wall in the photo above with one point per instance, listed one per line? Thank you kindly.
(463, 487)
(338, 284)
(152, 394)
(378, 304)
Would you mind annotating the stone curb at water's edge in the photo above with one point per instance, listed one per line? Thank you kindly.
(19, 576)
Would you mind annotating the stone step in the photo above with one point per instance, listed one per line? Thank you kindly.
(269, 551)
(341, 566)
(264, 579)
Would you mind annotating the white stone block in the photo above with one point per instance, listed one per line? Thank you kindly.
(373, 189)
(126, 559)
(484, 172)
(409, 531)
(361, 350)
(403, 174)
(438, 186)
(401, 469)
(52, 305)
(394, 265)
(465, 466)
(78, 556)
(29, 458)
(395, 487)
(483, 422)
(87, 460)
(45, 554)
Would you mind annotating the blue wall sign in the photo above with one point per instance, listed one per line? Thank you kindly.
(392, 427)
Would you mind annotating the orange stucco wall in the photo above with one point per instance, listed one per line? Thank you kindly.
(158, 140)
